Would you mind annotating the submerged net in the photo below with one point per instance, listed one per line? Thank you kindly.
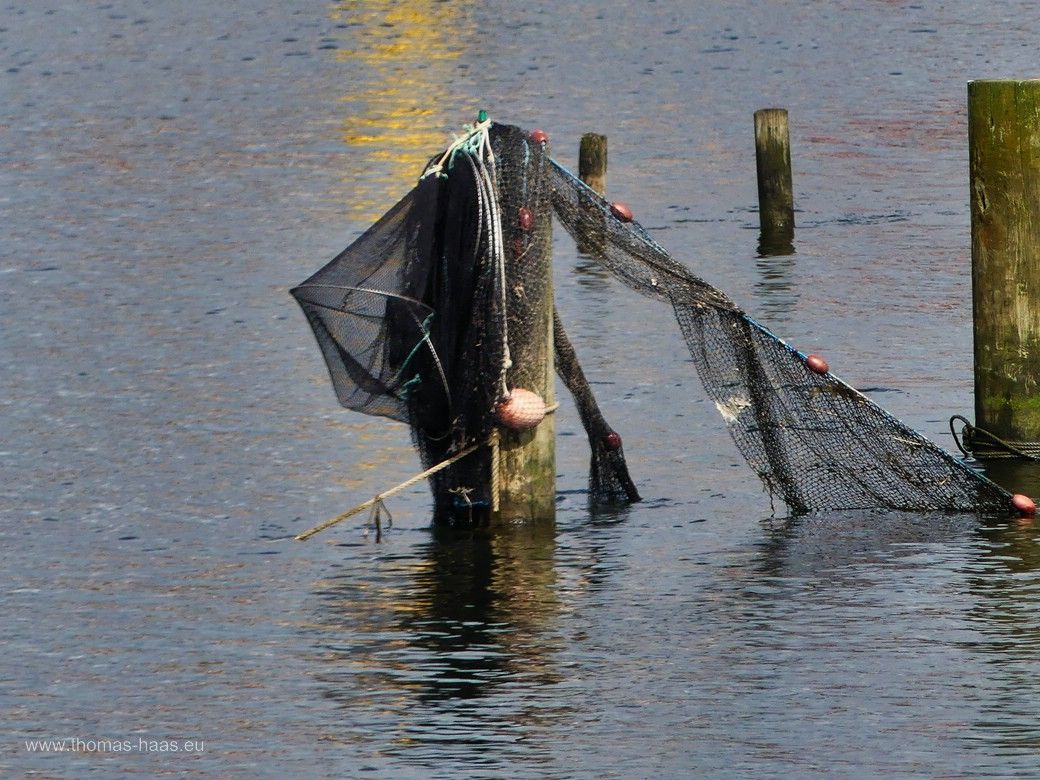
(428, 319)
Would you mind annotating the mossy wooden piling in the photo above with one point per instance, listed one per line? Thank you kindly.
(773, 165)
(1004, 161)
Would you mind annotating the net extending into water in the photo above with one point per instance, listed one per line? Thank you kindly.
(427, 318)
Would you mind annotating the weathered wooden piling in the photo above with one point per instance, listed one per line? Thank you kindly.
(1004, 155)
(592, 169)
(775, 190)
(592, 161)
(527, 459)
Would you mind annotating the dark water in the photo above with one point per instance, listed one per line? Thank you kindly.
(168, 170)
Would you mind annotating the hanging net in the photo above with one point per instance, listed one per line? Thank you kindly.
(427, 318)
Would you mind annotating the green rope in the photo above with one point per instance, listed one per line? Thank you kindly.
(407, 386)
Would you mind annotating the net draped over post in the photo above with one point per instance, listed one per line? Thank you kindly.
(422, 320)
(426, 318)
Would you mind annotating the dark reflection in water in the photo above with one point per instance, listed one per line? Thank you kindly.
(826, 544)
(441, 636)
(917, 596)
(591, 274)
(598, 543)
(775, 244)
(775, 286)
(1018, 476)
(1005, 579)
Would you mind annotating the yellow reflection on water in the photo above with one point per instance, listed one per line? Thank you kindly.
(401, 68)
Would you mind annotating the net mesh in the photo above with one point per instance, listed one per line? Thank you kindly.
(609, 480)
(429, 317)
(815, 442)
(433, 315)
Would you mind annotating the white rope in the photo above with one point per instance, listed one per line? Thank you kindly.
(490, 213)
(499, 259)
(476, 143)
(476, 138)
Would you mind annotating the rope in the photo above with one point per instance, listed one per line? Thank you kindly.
(476, 147)
(473, 142)
(495, 476)
(377, 501)
(1004, 449)
(375, 518)
(386, 494)
(487, 193)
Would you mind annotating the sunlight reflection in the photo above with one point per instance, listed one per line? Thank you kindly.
(404, 55)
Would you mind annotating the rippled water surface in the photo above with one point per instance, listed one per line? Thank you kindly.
(169, 170)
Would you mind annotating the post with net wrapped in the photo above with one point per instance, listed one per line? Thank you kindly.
(525, 481)
(1004, 153)
(775, 190)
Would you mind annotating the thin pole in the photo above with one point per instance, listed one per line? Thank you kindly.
(592, 169)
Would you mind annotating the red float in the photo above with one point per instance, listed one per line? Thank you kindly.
(1024, 505)
(621, 211)
(538, 136)
(817, 364)
(613, 440)
(521, 411)
(526, 218)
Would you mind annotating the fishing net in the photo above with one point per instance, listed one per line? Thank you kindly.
(815, 442)
(428, 318)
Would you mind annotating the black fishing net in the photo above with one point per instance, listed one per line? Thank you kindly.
(428, 317)
(609, 480)
(815, 442)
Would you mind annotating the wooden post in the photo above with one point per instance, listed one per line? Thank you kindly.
(592, 169)
(527, 459)
(775, 192)
(592, 161)
(1004, 154)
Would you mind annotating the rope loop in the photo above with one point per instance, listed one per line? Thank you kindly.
(1028, 450)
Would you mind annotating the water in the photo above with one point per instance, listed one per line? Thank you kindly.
(167, 171)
